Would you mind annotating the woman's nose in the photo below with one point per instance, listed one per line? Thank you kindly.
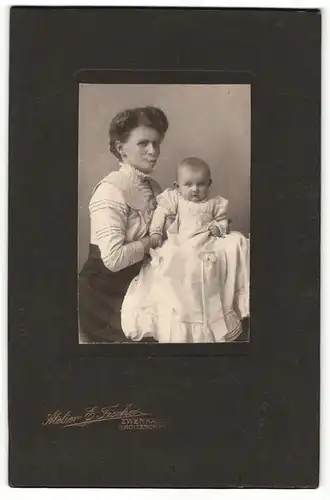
(151, 148)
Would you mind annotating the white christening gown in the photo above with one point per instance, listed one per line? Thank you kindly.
(196, 287)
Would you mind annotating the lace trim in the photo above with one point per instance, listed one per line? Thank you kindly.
(133, 173)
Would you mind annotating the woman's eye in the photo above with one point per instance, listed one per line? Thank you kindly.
(143, 143)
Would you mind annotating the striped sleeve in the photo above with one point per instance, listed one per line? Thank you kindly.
(108, 213)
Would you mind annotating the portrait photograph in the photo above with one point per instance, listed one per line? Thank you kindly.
(164, 213)
(163, 257)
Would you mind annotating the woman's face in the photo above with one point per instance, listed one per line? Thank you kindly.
(142, 148)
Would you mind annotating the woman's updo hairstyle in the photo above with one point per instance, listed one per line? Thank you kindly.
(124, 122)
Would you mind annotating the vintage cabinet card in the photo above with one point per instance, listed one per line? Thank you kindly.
(164, 220)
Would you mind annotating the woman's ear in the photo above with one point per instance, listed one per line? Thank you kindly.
(210, 182)
(119, 148)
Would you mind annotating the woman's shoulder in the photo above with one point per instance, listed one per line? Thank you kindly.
(110, 187)
(116, 179)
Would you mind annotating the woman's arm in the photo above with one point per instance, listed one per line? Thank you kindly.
(108, 213)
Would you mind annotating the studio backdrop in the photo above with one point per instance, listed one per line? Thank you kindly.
(212, 122)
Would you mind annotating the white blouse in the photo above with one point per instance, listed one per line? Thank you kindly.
(121, 209)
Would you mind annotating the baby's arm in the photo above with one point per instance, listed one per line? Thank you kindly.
(219, 226)
(167, 203)
(157, 226)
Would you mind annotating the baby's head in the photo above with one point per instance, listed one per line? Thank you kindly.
(193, 179)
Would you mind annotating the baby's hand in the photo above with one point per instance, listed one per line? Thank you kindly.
(156, 240)
(216, 231)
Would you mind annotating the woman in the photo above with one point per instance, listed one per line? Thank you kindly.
(121, 209)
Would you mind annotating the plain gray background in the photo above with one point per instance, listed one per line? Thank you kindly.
(209, 121)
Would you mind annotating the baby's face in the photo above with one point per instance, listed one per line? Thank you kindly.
(194, 183)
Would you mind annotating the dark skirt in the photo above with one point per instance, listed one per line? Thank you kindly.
(101, 293)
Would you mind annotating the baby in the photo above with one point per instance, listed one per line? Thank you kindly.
(196, 287)
(193, 186)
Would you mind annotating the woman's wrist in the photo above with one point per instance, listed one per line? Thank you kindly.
(146, 243)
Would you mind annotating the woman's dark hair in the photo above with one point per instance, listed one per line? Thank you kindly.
(124, 122)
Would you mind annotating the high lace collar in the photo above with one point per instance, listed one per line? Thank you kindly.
(133, 173)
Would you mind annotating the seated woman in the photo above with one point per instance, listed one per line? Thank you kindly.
(121, 210)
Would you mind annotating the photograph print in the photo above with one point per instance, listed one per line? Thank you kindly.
(164, 213)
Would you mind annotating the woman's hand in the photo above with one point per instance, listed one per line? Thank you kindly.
(156, 240)
(146, 242)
